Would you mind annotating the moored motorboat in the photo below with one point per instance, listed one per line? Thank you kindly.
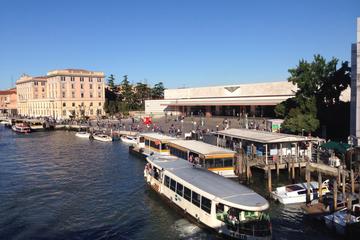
(296, 193)
(21, 128)
(129, 139)
(212, 201)
(83, 135)
(102, 137)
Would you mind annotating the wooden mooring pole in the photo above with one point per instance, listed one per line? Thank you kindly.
(307, 175)
(352, 181)
(269, 178)
(320, 187)
(335, 195)
(277, 168)
(343, 183)
(293, 170)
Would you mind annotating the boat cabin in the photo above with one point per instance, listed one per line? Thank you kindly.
(213, 158)
(155, 142)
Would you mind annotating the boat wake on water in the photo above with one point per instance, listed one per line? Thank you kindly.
(187, 230)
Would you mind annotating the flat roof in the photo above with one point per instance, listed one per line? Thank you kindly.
(158, 136)
(263, 136)
(220, 189)
(200, 147)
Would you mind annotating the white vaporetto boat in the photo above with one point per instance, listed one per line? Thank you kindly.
(296, 193)
(129, 139)
(102, 137)
(212, 201)
(83, 135)
(21, 128)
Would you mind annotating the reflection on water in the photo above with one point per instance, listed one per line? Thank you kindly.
(55, 185)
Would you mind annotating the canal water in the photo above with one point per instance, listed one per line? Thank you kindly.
(54, 185)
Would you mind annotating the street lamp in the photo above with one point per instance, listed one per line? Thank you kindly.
(302, 132)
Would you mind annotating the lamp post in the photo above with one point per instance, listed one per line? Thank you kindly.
(302, 132)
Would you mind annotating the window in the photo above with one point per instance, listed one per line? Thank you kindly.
(99, 104)
(90, 86)
(206, 204)
(91, 104)
(187, 194)
(62, 78)
(72, 79)
(82, 95)
(98, 112)
(91, 95)
(42, 83)
(43, 89)
(179, 189)
(72, 86)
(73, 94)
(99, 80)
(81, 79)
(99, 94)
(90, 79)
(99, 87)
(91, 111)
(195, 199)
(64, 112)
(167, 181)
(172, 184)
(64, 104)
(82, 86)
(63, 85)
(36, 83)
(63, 94)
(73, 104)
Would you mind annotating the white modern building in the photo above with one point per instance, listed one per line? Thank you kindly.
(355, 88)
(257, 99)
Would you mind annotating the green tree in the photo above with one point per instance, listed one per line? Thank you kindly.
(142, 92)
(111, 82)
(157, 92)
(320, 85)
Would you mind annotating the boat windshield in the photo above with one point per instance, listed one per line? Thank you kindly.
(249, 222)
(291, 188)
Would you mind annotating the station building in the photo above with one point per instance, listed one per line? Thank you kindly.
(61, 94)
(258, 99)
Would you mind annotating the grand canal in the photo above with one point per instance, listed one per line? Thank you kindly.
(56, 186)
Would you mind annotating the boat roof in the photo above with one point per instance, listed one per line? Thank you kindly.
(157, 137)
(221, 189)
(264, 136)
(201, 147)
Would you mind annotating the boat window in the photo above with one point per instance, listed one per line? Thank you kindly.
(195, 199)
(179, 189)
(209, 163)
(293, 188)
(142, 139)
(218, 162)
(302, 192)
(172, 184)
(187, 194)
(167, 181)
(178, 153)
(164, 146)
(206, 204)
(228, 162)
(155, 144)
(147, 142)
(219, 208)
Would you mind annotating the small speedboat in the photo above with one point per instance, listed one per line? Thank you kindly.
(296, 193)
(129, 139)
(344, 220)
(102, 137)
(83, 135)
(21, 128)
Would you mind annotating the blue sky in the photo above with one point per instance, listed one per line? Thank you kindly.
(179, 42)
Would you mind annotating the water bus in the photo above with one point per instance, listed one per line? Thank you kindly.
(157, 143)
(213, 158)
(21, 128)
(296, 193)
(208, 199)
